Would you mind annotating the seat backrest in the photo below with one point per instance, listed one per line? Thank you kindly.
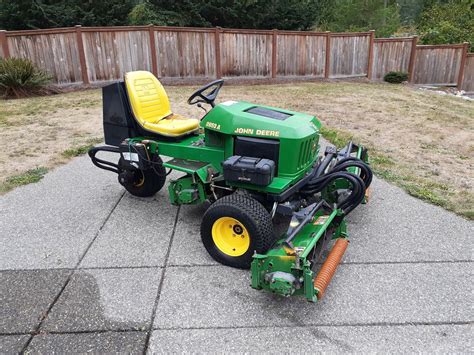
(147, 97)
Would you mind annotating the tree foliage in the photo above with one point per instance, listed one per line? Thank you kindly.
(451, 22)
(362, 15)
(32, 14)
(144, 14)
(260, 14)
(410, 11)
(437, 21)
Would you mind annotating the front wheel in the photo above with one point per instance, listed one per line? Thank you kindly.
(234, 227)
(143, 183)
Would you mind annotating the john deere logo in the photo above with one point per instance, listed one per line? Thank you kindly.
(258, 132)
(244, 130)
(268, 133)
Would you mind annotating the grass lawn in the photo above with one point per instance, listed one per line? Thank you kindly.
(418, 140)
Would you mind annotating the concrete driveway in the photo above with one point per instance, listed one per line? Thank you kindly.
(85, 266)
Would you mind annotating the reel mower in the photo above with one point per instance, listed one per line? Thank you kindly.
(255, 164)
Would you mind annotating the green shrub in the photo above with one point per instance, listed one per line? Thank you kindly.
(143, 14)
(448, 22)
(395, 77)
(20, 77)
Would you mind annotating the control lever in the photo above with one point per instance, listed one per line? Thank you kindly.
(201, 106)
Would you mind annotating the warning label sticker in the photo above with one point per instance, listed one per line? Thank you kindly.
(320, 220)
(130, 156)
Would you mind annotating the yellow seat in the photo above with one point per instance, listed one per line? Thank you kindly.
(151, 107)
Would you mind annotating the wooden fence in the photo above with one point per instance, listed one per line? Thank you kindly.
(95, 54)
(468, 82)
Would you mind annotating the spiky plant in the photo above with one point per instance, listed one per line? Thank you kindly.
(20, 77)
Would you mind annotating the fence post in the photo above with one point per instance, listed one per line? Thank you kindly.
(371, 54)
(217, 45)
(4, 44)
(327, 64)
(154, 61)
(82, 56)
(274, 53)
(463, 64)
(411, 63)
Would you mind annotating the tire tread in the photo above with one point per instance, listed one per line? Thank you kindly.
(264, 237)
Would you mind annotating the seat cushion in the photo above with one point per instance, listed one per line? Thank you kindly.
(147, 96)
(151, 107)
(173, 125)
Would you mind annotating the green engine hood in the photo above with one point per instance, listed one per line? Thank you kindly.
(246, 119)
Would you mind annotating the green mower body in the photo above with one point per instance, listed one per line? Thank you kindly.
(296, 144)
(255, 164)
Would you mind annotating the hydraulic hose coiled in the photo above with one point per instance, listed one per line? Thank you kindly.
(358, 183)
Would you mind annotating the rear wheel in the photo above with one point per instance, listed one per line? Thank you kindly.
(142, 183)
(234, 227)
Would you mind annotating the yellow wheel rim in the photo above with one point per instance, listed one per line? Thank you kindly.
(230, 236)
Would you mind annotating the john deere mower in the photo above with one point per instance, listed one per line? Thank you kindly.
(256, 165)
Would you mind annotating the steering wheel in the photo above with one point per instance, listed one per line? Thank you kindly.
(207, 93)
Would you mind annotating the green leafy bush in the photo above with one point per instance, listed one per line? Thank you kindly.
(20, 77)
(144, 14)
(361, 15)
(448, 22)
(395, 77)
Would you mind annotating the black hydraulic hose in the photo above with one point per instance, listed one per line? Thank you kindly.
(324, 164)
(344, 160)
(357, 195)
(358, 183)
(350, 202)
(366, 172)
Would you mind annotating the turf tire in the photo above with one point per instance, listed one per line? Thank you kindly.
(252, 215)
(152, 182)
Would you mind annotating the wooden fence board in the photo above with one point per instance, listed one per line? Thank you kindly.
(109, 52)
(3, 43)
(349, 55)
(468, 82)
(301, 55)
(390, 56)
(109, 55)
(185, 54)
(244, 54)
(437, 65)
(56, 53)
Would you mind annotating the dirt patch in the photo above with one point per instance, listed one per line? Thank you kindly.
(36, 131)
(422, 141)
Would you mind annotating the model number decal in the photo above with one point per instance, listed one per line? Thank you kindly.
(258, 132)
(213, 125)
